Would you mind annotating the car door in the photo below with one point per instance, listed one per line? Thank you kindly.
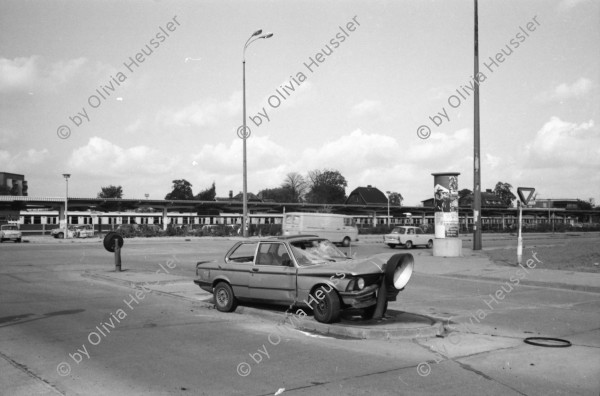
(271, 279)
(238, 268)
(420, 238)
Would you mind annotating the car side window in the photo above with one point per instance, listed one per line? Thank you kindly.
(271, 253)
(243, 253)
(411, 231)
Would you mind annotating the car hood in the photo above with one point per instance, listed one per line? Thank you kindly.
(370, 265)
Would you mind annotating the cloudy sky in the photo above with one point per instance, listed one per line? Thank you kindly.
(72, 100)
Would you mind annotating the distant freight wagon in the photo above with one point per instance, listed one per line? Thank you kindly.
(337, 228)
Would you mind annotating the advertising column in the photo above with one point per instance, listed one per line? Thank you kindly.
(445, 193)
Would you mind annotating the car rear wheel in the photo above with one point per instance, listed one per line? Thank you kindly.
(327, 309)
(60, 235)
(408, 244)
(225, 301)
(429, 244)
(392, 245)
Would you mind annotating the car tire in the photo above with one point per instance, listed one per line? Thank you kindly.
(225, 301)
(18, 240)
(60, 235)
(368, 312)
(327, 310)
(408, 245)
(429, 244)
(346, 242)
(391, 245)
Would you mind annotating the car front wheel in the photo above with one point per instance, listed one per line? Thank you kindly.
(408, 245)
(225, 301)
(429, 244)
(327, 309)
(346, 242)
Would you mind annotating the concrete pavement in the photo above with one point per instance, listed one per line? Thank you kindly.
(397, 324)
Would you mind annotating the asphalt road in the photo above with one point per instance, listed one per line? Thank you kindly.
(54, 321)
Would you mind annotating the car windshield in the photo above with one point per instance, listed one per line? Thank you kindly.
(316, 251)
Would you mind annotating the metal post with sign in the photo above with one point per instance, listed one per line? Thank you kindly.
(522, 200)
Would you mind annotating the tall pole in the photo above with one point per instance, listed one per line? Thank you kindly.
(66, 176)
(245, 174)
(519, 235)
(476, 154)
(244, 132)
(388, 216)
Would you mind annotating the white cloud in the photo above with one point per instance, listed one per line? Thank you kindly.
(566, 5)
(203, 114)
(34, 73)
(566, 91)
(22, 161)
(101, 157)
(368, 108)
(558, 144)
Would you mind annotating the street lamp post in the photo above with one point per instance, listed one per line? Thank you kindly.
(244, 132)
(66, 176)
(388, 216)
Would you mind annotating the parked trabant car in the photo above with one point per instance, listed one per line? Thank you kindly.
(10, 232)
(408, 236)
(79, 231)
(304, 271)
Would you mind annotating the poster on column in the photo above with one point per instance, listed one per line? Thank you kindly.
(446, 205)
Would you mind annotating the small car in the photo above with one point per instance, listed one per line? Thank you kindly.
(408, 236)
(10, 232)
(80, 231)
(304, 271)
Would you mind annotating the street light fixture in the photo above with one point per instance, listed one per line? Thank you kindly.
(244, 131)
(66, 176)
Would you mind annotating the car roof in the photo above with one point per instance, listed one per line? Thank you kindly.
(288, 238)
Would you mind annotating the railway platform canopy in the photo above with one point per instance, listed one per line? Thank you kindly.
(215, 208)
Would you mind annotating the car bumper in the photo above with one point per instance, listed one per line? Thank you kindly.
(204, 285)
(362, 298)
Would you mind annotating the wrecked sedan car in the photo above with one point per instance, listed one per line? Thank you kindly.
(304, 271)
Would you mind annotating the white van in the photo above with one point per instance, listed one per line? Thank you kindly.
(337, 228)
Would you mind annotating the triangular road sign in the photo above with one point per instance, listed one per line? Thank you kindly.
(525, 190)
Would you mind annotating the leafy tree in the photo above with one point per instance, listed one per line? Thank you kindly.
(182, 190)
(111, 192)
(396, 199)
(584, 205)
(465, 197)
(296, 185)
(502, 190)
(280, 194)
(326, 187)
(207, 195)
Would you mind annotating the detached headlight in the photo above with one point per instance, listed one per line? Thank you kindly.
(360, 283)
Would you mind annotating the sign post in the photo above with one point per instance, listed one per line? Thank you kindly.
(522, 200)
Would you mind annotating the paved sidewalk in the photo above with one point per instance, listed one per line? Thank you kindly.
(476, 265)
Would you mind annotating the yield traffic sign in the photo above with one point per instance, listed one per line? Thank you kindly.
(525, 190)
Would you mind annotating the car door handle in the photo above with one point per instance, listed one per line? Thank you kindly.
(255, 269)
